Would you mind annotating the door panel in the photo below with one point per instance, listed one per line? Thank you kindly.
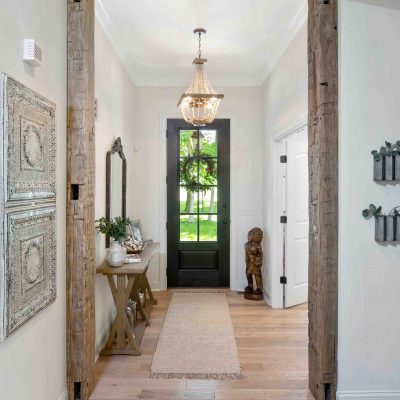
(297, 224)
(198, 204)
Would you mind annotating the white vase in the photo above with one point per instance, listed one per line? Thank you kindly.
(115, 254)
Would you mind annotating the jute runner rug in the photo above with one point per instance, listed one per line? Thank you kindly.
(197, 340)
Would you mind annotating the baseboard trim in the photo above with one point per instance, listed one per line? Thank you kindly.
(63, 395)
(369, 395)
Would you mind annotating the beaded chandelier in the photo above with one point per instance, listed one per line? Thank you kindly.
(199, 105)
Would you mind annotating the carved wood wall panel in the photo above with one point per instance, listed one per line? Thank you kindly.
(27, 204)
(323, 175)
(80, 201)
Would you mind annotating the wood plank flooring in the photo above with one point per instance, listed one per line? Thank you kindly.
(273, 351)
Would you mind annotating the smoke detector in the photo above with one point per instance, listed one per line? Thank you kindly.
(32, 53)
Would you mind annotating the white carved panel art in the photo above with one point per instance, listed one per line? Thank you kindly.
(30, 272)
(29, 135)
(27, 205)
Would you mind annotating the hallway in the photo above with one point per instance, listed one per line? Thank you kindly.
(272, 348)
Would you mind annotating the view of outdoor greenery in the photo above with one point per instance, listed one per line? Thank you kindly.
(198, 180)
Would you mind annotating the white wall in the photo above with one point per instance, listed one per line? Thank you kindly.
(153, 106)
(115, 118)
(33, 360)
(369, 273)
(285, 105)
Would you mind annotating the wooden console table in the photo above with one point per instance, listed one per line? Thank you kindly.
(130, 279)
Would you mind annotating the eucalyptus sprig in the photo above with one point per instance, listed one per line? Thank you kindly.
(372, 211)
(114, 227)
(390, 149)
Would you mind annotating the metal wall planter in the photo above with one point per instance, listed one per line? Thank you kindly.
(387, 168)
(387, 228)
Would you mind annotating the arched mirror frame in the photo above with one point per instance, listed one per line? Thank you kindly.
(116, 148)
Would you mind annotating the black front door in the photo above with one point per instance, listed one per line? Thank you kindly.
(198, 204)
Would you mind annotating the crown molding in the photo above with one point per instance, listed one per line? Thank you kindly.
(256, 81)
(298, 21)
(245, 82)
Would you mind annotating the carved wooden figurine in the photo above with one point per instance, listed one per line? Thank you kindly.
(254, 258)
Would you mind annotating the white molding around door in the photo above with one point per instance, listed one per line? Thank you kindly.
(276, 298)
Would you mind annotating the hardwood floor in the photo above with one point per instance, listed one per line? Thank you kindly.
(273, 351)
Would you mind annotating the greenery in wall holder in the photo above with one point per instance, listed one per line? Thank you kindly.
(387, 227)
(387, 162)
(114, 227)
(388, 150)
(372, 211)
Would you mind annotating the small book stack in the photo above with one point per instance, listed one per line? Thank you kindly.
(132, 258)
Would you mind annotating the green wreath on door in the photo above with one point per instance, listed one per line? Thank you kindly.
(189, 171)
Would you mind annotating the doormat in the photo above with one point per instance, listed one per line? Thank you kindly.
(197, 340)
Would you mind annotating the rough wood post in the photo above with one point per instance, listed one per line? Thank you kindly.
(80, 200)
(323, 172)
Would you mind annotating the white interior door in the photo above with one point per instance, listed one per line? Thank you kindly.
(296, 246)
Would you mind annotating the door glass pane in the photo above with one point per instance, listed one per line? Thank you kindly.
(188, 142)
(188, 228)
(188, 200)
(208, 200)
(208, 143)
(208, 171)
(208, 228)
(188, 172)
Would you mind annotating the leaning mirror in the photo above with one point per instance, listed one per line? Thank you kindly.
(115, 183)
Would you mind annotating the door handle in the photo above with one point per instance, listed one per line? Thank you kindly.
(225, 221)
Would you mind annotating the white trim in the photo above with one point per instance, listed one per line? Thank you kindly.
(184, 82)
(368, 395)
(296, 24)
(63, 395)
(278, 149)
(234, 281)
(300, 124)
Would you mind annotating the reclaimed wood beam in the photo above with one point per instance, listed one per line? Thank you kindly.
(80, 201)
(323, 196)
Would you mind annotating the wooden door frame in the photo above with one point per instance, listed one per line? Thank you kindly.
(323, 165)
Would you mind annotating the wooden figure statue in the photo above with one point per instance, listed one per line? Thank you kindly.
(254, 258)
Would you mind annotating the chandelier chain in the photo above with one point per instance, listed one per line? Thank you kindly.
(199, 44)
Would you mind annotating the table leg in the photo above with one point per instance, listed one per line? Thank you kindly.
(135, 296)
(121, 340)
(149, 291)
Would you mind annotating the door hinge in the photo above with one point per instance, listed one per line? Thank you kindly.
(283, 219)
(166, 133)
(166, 225)
(283, 280)
(283, 159)
(166, 180)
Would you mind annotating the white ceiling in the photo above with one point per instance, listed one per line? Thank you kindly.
(244, 40)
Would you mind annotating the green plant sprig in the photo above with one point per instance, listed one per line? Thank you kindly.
(114, 227)
(372, 211)
(388, 150)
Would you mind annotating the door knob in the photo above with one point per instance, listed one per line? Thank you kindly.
(225, 221)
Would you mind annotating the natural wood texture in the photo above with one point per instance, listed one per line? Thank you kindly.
(323, 172)
(272, 347)
(145, 257)
(130, 279)
(80, 200)
(254, 257)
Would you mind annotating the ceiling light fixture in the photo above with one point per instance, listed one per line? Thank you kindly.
(199, 105)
